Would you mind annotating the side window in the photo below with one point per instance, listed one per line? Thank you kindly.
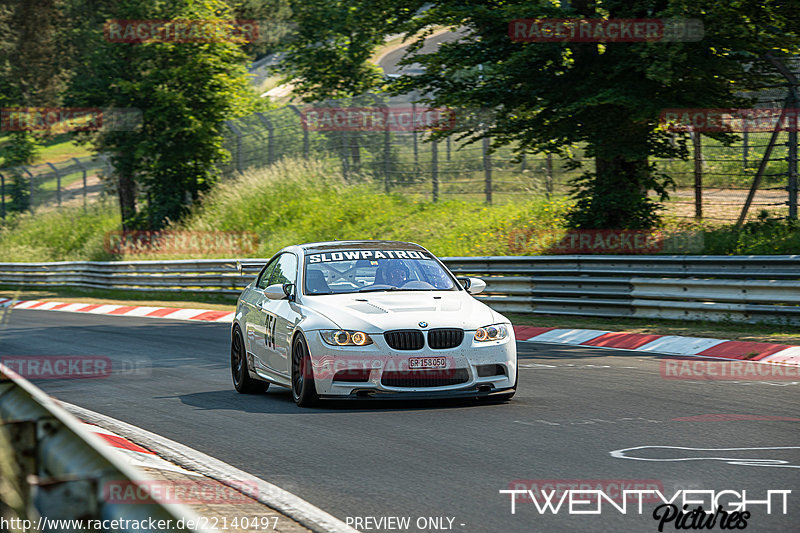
(263, 278)
(285, 270)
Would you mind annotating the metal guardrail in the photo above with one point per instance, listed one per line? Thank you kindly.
(61, 470)
(735, 288)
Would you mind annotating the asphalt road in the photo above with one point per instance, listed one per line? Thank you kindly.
(574, 407)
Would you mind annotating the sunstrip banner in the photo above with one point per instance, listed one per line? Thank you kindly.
(353, 255)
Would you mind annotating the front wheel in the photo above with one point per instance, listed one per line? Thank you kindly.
(242, 381)
(304, 392)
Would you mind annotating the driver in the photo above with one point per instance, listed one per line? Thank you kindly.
(396, 274)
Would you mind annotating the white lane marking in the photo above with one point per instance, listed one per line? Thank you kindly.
(738, 461)
(281, 500)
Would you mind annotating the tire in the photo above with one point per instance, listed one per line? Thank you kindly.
(304, 392)
(242, 381)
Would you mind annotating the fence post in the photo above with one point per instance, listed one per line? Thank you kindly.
(792, 158)
(745, 146)
(414, 136)
(435, 169)
(58, 182)
(30, 177)
(83, 168)
(487, 170)
(698, 174)
(305, 129)
(238, 134)
(270, 137)
(548, 177)
(3, 195)
(448, 148)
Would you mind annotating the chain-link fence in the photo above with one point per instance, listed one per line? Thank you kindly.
(371, 137)
(70, 182)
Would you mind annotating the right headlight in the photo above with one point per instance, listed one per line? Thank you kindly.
(343, 337)
(495, 332)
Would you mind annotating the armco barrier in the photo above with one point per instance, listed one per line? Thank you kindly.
(60, 468)
(736, 288)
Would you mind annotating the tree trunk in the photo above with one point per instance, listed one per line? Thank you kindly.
(126, 189)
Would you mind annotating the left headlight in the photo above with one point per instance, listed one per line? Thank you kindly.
(495, 332)
(344, 337)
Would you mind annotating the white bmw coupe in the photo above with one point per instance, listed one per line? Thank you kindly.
(369, 319)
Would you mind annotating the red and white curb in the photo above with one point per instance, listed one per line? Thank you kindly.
(204, 315)
(762, 352)
(134, 454)
(663, 344)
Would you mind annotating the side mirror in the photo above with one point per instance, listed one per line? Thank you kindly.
(473, 285)
(276, 292)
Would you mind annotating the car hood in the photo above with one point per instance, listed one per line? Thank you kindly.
(379, 311)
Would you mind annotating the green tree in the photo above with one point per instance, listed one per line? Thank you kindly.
(183, 90)
(554, 96)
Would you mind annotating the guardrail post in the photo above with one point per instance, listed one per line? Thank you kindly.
(58, 182)
(487, 170)
(698, 175)
(83, 169)
(270, 137)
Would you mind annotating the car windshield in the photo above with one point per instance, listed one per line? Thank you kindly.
(352, 271)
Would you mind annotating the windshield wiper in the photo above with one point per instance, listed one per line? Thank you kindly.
(378, 289)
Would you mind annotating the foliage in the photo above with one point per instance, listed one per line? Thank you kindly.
(553, 96)
(184, 91)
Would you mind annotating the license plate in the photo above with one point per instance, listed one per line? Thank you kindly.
(427, 362)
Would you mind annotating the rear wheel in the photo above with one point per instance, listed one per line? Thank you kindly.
(304, 391)
(242, 381)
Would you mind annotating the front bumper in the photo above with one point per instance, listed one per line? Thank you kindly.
(380, 364)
